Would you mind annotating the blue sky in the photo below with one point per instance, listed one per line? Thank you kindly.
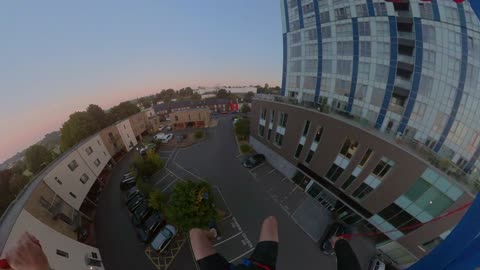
(59, 56)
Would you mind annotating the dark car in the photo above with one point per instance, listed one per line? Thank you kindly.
(334, 229)
(128, 183)
(141, 213)
(253, 161)
(135, 202)
(146, 231)
(130, 193)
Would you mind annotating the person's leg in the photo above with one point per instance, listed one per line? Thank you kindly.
(201, 244)
(266, 251)
(204, 252)
(269, 230)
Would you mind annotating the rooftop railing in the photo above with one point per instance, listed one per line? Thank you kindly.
(470, 181)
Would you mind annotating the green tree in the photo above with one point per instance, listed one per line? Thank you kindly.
(19, 167)
(98, 115)
(245, 148)
(248, 96)
(79, 126)
(222, 93)
(266, 86)
(37, 157)
(191, 205)
(122, 111)
(144, 187)
(148, 166)
(156, 200)
(242, 129)
(17, 182)
(196, 96)
(245, 108)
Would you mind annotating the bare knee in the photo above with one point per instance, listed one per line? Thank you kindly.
(270, 221)
(196, 232)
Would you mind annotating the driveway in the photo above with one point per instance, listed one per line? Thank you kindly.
(216, 160)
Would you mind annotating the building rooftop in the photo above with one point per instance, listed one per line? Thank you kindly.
(188, 103)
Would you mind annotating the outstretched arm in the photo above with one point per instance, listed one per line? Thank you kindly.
(27, 255)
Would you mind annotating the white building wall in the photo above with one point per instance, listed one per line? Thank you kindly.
(126, 132)
(50, 241)
(66, 183)
(99, 153)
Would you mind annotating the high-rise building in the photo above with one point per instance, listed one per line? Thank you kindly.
(379, 115)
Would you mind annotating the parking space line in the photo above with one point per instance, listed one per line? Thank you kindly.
(174, 153)
(174, 181)
(198, 177)
(259, 166)
(225, 240)
(224, 201)
(159, 181)
(270, 172)
(242, 255)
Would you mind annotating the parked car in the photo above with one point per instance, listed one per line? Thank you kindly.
(158, 136)
(334, 229)
(377, 264)
(167, 138)
(128, 183)
(169, 127)
(141, 213)
(130, 193)
(146, 230)
(163, 238)
(130, 174)
(161, 127)
(147, 147)
(253, 161)
(135, 202)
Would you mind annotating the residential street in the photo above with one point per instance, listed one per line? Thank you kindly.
(216, 160)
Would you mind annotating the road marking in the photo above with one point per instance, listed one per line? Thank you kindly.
(223, 241)
(175, 175)
(258, 166)
(225, 201)
(159, 181)
(174, 153)
(174, 181)
(198, 177)
(270, 172)
(241, 255)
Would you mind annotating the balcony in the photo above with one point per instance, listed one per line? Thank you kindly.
(470, 182)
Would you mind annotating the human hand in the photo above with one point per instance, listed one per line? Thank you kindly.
(27, 255)
(334, 240)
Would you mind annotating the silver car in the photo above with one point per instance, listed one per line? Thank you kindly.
(163, 238)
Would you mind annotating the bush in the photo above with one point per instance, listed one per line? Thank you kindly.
(191, 205)
(144, 187)
(245, 108)
(198, 134)
(242, 128)
(156, 200)
(148, 166)
(245, 148)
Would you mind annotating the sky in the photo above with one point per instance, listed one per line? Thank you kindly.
(57, 57)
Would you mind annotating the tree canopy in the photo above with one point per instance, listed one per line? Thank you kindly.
(149, 165)
(37, 157)
(242, 128)
(122, 111)
(79, 126)
(191, 205)
(248, 96)
(245, 108)
(222, 93)
(98, 115)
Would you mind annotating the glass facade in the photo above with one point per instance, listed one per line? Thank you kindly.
(411, 70)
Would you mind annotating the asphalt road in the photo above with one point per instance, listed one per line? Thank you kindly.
(216, 159)
(116, 238)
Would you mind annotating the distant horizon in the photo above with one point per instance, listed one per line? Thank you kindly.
(59, 57)
(131, 99)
